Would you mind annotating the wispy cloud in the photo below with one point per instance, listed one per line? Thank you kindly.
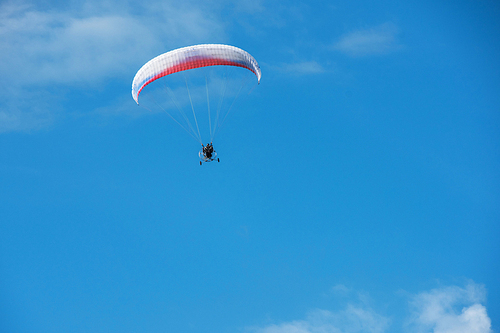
(446, 310)
(356, 317)
(378, 40)
(84, 45)
(299, 68)
(351, 320)
(340, 289)
(65, 46)
(450, 310)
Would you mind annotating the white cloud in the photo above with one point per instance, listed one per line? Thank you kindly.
(85, 45)
(378, 40)
(446, 310)
(41, 47)
(450, 310)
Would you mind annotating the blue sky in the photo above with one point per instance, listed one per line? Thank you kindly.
(357, 191)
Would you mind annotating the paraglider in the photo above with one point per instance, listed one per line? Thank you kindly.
(195, 58)
(207, 153)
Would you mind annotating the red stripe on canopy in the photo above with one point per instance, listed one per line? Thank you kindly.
(191, 64)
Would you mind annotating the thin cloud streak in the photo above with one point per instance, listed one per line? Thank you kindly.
(353, 319)
(374, 41)
(299, 68)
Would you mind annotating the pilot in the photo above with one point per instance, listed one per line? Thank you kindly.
(208, 150)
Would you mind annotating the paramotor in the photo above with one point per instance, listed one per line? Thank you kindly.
(188, 93)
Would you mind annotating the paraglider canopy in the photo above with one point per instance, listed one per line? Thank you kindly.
(192, 57)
